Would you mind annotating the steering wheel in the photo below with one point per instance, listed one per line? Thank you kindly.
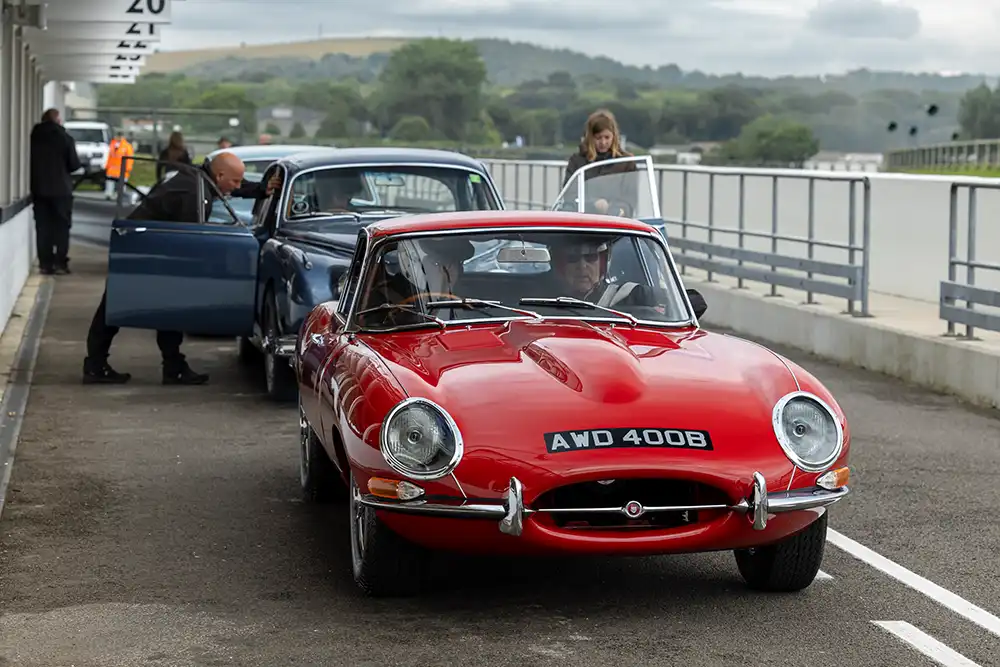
(447, 296)
(626, 209)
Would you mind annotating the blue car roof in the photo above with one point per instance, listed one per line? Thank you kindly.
(345, 157)
(266, 152)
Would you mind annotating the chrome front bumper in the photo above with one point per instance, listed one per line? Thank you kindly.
(511, 511)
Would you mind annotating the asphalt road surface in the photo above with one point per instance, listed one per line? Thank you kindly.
(151, 525)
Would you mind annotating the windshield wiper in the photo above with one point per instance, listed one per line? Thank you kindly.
(406, 309)
(480, 304)
(570, 302)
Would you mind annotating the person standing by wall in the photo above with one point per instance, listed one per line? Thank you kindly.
(53, 159)
(117, 149)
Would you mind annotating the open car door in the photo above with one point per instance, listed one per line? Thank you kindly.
(195, 276)
(624, 187)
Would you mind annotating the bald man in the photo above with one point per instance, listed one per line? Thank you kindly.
(175, 200)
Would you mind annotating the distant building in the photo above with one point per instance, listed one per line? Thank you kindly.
(285, 117)
(842, 161)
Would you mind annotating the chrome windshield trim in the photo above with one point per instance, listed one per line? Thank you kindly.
(511, 511)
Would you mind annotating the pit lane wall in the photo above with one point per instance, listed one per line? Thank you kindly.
(880, 255)
(17, 256)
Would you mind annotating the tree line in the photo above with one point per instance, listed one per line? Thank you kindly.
(439, 90)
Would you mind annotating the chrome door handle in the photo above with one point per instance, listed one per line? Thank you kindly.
(122, 232)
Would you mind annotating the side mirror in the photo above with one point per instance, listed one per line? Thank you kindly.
(697, 302)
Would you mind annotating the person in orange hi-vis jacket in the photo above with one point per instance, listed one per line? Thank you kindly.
(118, 148)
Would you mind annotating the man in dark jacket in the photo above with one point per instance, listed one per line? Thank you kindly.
(174, 200)
(53, 159)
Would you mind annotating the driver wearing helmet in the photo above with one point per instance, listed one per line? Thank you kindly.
(580, 268)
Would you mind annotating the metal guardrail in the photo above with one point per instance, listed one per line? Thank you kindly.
(514, 178)
(951, 289)
(973, 154)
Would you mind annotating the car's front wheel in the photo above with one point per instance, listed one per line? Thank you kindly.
(384, 564)
(280, 377)
(786, 566)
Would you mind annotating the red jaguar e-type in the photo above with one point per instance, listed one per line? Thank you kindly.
(537, 382)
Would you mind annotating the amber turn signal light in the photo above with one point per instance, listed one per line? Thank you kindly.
(393, 489)
(835, 479)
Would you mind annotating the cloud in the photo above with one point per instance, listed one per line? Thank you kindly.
(853, 19)
(768, 37)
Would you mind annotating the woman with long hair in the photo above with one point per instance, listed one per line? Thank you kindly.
(602, 141)
(175, 151)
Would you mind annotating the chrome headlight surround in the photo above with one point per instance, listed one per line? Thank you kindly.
(401, 467)
(786, 443)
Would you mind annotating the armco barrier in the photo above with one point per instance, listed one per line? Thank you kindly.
(972, 294)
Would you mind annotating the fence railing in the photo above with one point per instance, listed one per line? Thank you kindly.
(952, 289)
(975, 154)
(534, 186)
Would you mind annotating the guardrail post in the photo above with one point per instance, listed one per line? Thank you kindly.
(711, 216)
(684, 215)
(852, 232)
(866, 245)
(531, 186)
(811, 231)
(742, 223)
(952, 249)
(774, 226)
(970, 255)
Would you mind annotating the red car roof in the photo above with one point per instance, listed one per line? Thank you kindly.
(473, 220)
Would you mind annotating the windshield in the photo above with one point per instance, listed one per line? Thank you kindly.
(621, 187)
(606, 275)
(86, 136)
(397, 189)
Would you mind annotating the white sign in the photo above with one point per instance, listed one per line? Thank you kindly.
(97, 78)
(147, 32)
(93, 47)
(69, 70)
(105, 11)
(91, 59)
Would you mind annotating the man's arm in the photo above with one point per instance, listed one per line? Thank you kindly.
(250, 190)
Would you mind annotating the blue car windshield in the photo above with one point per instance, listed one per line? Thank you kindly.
(394, 189)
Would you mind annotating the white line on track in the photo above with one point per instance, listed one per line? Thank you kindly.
(926, 644)
(957, 604)
(822, 576)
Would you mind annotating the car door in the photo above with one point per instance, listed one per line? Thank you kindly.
(192, 276)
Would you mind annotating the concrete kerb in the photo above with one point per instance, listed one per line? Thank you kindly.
(18, 386)
(941, 364)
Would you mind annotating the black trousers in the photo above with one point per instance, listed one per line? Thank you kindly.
(53, 218)
(100, 337)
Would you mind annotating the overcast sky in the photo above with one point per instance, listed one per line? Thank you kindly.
(769, 37)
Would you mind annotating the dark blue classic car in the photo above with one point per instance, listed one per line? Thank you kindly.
(258, 281)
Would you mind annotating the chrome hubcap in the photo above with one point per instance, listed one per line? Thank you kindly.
(303, 446)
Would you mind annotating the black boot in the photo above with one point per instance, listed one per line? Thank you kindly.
(182, 374)
(102, 373)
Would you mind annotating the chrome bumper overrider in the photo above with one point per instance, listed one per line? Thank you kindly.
(511, 511)
(283, 346)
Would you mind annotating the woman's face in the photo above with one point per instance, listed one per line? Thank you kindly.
(603, 141)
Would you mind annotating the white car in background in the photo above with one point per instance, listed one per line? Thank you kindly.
(93, 139)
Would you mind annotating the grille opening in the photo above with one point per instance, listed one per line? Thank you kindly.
(647, 492)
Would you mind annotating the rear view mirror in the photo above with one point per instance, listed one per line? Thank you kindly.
(519, 254)
(697, 302)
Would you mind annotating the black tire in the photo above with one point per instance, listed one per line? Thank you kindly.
(279, 376)
(319, 478)
(384, 564)
(786, 566)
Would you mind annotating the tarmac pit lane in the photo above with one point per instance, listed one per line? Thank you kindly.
(151, 525)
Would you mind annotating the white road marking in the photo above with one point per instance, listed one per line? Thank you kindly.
(822, 576)
(943, 596)
(926, 644)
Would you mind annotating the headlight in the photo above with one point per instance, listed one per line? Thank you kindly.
(808, 431)
(420, 440)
